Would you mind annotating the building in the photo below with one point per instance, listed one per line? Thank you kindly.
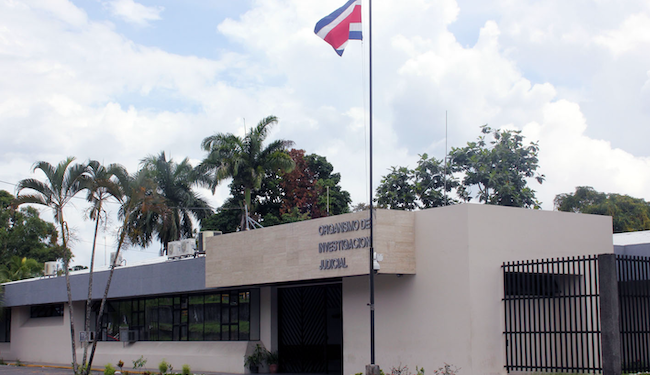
(302, 289)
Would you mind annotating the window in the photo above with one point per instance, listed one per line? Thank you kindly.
(5, 324)
(217, 316)
(46, 311)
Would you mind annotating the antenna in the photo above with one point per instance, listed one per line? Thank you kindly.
(444, 202)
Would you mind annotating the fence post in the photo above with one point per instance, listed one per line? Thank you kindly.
(609, 314)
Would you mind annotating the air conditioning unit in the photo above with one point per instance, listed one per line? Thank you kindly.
(203, 236)
(181, 249)
(174, 249)
(50, 269)
(188, 246)
(119, 259)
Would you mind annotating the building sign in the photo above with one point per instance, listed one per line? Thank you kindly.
(341, 245)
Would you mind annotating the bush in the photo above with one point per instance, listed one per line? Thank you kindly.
(165, 367)
(109, 369)
(139, 363)
(186, 370)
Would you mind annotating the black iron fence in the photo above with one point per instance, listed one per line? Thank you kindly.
(575, 314)
(634, 302)
(552, 315)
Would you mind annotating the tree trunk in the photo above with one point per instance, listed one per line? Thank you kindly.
(90, 283)
(66, 264)
(103, 303)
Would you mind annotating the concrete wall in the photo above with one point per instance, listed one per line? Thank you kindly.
(41, 340)
(291, 252)
(451, 311)
(47, 341)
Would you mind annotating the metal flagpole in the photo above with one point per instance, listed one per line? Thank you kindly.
(372, 250)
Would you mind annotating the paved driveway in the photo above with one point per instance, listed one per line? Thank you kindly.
(33, 370)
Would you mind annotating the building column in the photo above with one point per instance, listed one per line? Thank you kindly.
(609, 314)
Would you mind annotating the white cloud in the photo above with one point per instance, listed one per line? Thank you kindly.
(633, 33)
(75, 86)
(135, 13)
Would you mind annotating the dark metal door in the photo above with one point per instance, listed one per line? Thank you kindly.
(310, 329)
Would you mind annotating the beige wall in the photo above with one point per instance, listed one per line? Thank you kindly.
(438, 294)
(47, 341)
(291, 252)
(451, 310)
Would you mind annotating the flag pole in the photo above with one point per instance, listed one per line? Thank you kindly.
(373, 368)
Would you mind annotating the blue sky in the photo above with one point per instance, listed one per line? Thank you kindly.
(117, 80)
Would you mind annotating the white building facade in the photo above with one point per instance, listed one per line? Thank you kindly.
(302, 289)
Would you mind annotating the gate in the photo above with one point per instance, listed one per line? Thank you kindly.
(310, 335)
(552, 315)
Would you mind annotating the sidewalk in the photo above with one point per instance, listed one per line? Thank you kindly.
(29, 369)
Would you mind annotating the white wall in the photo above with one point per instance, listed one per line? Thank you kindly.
(47, 341)
(451, 310)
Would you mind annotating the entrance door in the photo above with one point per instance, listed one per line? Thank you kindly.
(310, 334)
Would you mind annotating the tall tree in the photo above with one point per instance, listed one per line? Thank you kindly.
(628, 214)
(425, 186)
(434, 182)
(63, 183)
(136, 194)
(338, 199)
(285, 197)
(24, 234)
(170, 214)
(244, 159)
(101, 183)
(498, 169)
(19, 268)
(396, 190)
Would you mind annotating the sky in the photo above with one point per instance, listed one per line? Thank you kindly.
(118, 80)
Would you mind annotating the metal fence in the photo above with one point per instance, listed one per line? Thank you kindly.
(633, 275)
(552, 315)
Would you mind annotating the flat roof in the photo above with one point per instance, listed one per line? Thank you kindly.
(159, 276)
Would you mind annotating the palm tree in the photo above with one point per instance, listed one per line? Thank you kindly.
(170, 206)
(135, 193)
(19, 268)
(63, 183)
(101, 184)
(245, 160)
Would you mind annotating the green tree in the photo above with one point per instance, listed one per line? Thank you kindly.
(628, 214)
(24, 234)
(326, 180)
(101, 183)
(498, 169)
(285, 197)
(396, 190)
(20, 268)
(63, 183)
(169, 213)
(422, 187)
(433, 182)
(245, 160)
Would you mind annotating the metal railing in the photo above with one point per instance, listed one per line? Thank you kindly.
(552, 315)
(633, 275)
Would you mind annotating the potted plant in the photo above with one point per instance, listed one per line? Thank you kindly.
(272, 359)
(255, 359)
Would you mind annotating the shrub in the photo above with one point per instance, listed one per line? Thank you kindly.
(165, 367)
(446, 370)
(139, 363)
(186, 370)
(109, 369)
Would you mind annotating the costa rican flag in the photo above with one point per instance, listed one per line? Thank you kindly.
(340, 26)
